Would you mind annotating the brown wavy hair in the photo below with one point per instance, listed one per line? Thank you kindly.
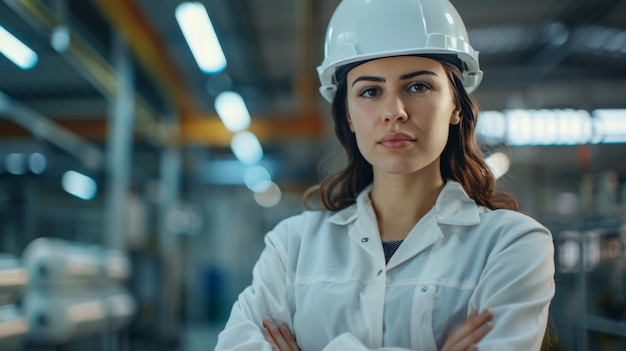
(462, 160)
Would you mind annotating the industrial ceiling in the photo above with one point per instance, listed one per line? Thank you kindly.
(535, 54)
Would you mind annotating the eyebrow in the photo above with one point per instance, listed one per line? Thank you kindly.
(402, 77)
(417, 73)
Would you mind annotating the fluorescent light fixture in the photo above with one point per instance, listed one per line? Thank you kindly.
(37, 163)
(611, 124)
(60, 38)
(15, 163)
(491, 126)
(539, 127)
(574, 126)
(499, 163)
(246, 148)
(552, 127)
(16, 51)
(520, 128)
(79, 185)
(232, 111)
(270, 195)
(256, 177)
(198, 31)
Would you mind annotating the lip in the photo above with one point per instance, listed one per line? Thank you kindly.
(396, 140)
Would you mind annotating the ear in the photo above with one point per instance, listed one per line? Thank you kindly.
(349, 119)
(456, 117)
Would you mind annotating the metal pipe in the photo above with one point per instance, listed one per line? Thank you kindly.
(119, 145)
(93, 67)
(42, 127)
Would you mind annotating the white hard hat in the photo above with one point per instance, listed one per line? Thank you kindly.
(367, 29)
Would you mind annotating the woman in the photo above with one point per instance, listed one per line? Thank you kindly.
(415, 239)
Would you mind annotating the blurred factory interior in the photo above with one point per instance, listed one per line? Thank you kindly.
(132, 209)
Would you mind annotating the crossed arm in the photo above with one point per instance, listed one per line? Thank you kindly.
(463, 338)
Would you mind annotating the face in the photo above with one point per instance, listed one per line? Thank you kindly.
(400, 109)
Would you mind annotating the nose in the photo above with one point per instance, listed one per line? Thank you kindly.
(395, 110)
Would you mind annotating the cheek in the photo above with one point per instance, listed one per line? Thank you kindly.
(438, 127)
(357, 117)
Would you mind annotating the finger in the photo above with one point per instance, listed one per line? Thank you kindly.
(288, 336)
(268, 338)
(279, 340)
(470, 325)
(473, 331)
(470, 341)
(475, 321)
(480, 333)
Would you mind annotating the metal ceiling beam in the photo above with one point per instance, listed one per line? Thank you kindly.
(277, 128)
(91, 65)
(554, 53)
(197, 126)
(127, 18)
(42, 127)
(197, 131)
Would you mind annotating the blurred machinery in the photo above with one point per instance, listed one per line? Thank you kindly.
(66, 291)
(13, 281)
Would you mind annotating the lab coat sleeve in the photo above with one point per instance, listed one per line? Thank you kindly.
(517, 284)
(265, 297)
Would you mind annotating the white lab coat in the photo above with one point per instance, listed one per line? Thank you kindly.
(324, 274)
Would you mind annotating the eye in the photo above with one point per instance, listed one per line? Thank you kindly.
(419, 87)
(369, 92)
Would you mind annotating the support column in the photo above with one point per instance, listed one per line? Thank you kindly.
(119, 145)
(169, 246)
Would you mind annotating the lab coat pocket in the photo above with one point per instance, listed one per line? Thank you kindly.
(422, 336)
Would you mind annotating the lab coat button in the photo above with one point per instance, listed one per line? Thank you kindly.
(424, 289)
(364, 240)
(379, 272)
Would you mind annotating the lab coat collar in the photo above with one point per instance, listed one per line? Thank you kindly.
(453, 207)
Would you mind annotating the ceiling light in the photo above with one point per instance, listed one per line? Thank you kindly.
(37, 163)
(270, 195)
(499, 163)
(255, 177)
(60, 38)
(246, 148)
(233, 111)
(196, 26)
(16, 51)
(15, 163)
(547, 127)
(79, 185)
(611, 125)
(491, 127)
(520, 127)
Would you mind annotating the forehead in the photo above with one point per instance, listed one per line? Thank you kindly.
(393, 67)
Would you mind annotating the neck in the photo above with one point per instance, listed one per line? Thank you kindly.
(400, 201)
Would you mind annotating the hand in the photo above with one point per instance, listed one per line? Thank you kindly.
(279, 337)
(471, 331)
